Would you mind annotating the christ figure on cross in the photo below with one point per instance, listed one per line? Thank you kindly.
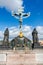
(20, 15)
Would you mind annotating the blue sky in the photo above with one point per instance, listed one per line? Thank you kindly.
(35, 19)
(33, 6)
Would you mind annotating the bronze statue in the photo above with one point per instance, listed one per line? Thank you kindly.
(6, 37)
(35, 36)
(35, 44)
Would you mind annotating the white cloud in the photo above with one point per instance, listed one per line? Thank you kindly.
(1, 35)
(27, 31)
(40, 32)
(11, 5)
(14, 31)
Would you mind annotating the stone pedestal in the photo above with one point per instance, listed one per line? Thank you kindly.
(20, 57)
(37, 45)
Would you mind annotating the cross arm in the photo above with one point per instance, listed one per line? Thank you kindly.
(26, 14)
(15, 14)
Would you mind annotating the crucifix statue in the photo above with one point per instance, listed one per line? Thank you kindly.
(20, 15)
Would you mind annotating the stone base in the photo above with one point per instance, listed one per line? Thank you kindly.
(36, 45)
(21, 57)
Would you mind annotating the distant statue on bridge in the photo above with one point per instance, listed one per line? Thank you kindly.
(35, 36)
(6, 37)
(36, 43)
